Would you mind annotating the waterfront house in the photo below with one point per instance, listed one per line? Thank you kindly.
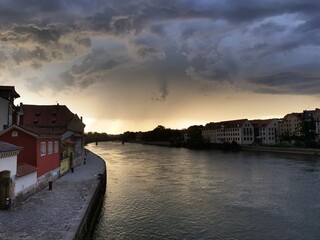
(15, 179)
(66, 155)
(57, 119)
(40, 150)
(265, 131)
(290, 126)
(311, 119)
(239, 131)
(8, 111)
(209, 133)
(316, 117)
(8, 170)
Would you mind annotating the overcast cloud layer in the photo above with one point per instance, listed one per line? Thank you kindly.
(266, 46)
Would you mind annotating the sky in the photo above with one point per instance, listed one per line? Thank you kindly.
(133, 65)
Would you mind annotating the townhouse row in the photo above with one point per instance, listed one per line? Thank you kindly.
(38, 144)
(267, 132)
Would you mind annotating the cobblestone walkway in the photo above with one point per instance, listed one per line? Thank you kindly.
(54, 214)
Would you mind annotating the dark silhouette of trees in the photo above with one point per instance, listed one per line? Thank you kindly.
(162, 134)
(194, 137)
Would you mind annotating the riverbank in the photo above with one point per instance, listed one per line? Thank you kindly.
(236, 147)
(65, 212)
(305, 151)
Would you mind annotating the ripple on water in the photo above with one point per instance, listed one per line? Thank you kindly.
(162, 193)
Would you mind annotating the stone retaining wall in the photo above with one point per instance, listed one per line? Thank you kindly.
(82, 228)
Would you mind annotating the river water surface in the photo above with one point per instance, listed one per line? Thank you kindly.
(174, 193)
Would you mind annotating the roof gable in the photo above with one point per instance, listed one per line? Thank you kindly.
(296, 115)
(261, 123)
(227, 124)
(33, 132)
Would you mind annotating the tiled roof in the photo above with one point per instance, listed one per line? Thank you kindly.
(261, 122)
(46, 115)
(45, 131)
(11, 89)
(297, 115)
(210, 125)
(68, 141)
(8, 147)
(226, 124)
(24, 169)
(33, 131)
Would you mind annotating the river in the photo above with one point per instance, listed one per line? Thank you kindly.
(175, 193)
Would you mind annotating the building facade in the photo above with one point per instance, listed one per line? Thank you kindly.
(239, 131)
(8, 171)
(39, 150)
(9, 113)
(15, 179)
(291, 126)
(265, 131)
(316, 117)
(59, 120)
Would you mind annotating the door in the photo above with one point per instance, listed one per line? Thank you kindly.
(5, 182)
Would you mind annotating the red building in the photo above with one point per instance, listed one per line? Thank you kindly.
(40, 147)
(59, 120)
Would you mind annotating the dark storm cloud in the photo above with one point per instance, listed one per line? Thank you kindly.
(268, 28)
(288, 82)
(92, 68)
(221, 41)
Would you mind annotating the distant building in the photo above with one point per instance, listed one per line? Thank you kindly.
(291, 125)
(265, 131)
(209, 133)
(8, 110)
(239, 131)
(316, 117)
(312, 121)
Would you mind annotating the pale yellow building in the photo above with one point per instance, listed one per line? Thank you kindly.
(291, 125)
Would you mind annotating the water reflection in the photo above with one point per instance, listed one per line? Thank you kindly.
(167, 193)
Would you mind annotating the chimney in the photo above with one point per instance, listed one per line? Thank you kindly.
(21, 115)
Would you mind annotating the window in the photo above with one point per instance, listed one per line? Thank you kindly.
(43, 148)
(50, 148)
(14, 134)
(56, 147)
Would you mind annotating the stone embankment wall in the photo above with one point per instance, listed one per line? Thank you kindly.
(91, 210)
(83, 226)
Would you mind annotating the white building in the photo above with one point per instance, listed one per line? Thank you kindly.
(14, 179)
(239, 131)
(265, 131)
(8, 114)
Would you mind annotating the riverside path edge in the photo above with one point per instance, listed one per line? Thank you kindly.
(66, 212)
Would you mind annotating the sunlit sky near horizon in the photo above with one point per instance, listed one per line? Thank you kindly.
(132, 65)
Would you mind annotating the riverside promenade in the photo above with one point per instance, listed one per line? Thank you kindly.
(57, 213)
